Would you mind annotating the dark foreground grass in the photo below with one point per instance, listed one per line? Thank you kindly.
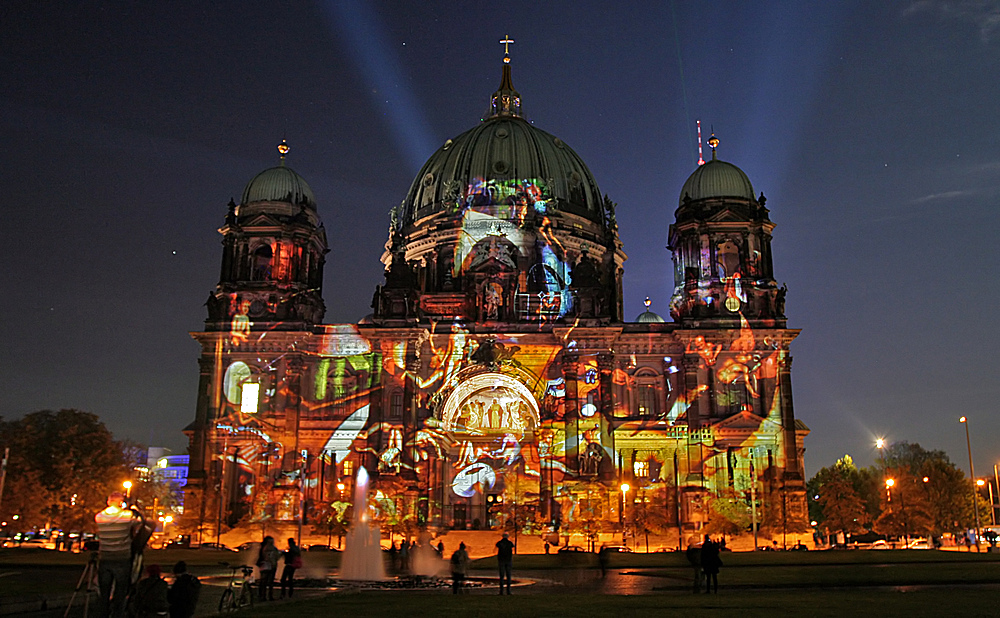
(964, 602)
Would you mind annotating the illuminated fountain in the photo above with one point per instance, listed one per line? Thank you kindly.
(362, 559)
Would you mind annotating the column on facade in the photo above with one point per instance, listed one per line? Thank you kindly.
(572, 410)
(792, 467)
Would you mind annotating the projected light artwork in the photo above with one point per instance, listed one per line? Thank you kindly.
(496, 381)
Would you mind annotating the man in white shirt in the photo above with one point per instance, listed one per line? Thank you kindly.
(116, 526)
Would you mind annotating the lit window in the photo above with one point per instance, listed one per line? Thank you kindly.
(251, 393)
(641, 469)
(647, 400)
(396, 405)
(162, 463)
(348, 468)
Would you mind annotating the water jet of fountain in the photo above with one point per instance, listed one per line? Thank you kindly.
(362, 559)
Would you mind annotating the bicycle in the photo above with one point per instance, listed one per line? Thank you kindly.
(238, 594)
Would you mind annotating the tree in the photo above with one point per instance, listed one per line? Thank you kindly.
(590, 501)
(843, 510)
(649, 513)
(866, 485)
(62, 467)
(905, 510)
(331, 518)
(727, 515)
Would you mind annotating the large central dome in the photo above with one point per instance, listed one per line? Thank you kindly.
(504, 149)
(508, 212)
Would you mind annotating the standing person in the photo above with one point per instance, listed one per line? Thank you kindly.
(151, 594)
(267, 562)
(459, 566)
(505, 560)
(693, 554)
(440, 549)
(293, 561)
(116, 526)
(710, 563)
(404, 556)
(183, 595)
(603, 557)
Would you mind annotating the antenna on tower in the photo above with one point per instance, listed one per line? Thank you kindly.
(701, 159)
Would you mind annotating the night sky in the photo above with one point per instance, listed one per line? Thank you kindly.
(871, 127)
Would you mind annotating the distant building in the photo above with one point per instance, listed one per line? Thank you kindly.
(497, 364)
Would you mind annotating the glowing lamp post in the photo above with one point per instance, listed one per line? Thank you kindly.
(127, 485)
(972, 471)
(621, 515)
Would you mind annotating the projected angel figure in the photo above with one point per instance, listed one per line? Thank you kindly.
(704, 349)
(240, 327)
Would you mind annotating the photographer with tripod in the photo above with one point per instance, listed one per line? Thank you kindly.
(118, 526)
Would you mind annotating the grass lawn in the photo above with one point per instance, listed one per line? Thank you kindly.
(830, 583)
(937, 602)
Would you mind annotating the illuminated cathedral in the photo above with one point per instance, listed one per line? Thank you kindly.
(497, 365)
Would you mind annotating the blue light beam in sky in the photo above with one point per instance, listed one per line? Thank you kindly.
(369, 46)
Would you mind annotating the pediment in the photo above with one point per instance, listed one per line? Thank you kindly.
(747, 421)
(261, 220)
(727, 215)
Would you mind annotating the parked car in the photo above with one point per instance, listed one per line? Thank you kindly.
(571, 549)
(320, 547)
(245, 546)
(880, 544)
(918, 544)
(618, 549)
(215, 547)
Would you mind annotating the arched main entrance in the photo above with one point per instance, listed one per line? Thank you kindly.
(493, 469)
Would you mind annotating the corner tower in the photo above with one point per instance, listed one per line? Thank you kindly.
(721, 245)
(274, 248)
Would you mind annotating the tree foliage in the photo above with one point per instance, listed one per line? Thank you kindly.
(62, 467)
(930, 494)
(843, 509)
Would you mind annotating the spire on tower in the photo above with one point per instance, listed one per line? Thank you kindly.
(506, 101)
(713, 143)
(283, 149)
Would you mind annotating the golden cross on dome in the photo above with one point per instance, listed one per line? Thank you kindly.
(506, 44)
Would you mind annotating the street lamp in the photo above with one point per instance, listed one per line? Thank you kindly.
(621, 515)
(128, 488)
(989, 486)
(972, 471)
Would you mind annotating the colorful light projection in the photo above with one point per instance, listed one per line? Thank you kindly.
(490, 403)
(505, 224)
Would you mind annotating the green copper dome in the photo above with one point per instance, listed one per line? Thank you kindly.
(717, 179)
(503, 148)
(279, 184)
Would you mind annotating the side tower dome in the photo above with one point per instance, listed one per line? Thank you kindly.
(721, 246)
(273, 255)
(503, 223)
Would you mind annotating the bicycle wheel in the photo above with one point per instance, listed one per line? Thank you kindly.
(226, 602)
(246, 596)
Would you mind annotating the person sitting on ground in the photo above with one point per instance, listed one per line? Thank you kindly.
(151, 594)
(183, 595)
